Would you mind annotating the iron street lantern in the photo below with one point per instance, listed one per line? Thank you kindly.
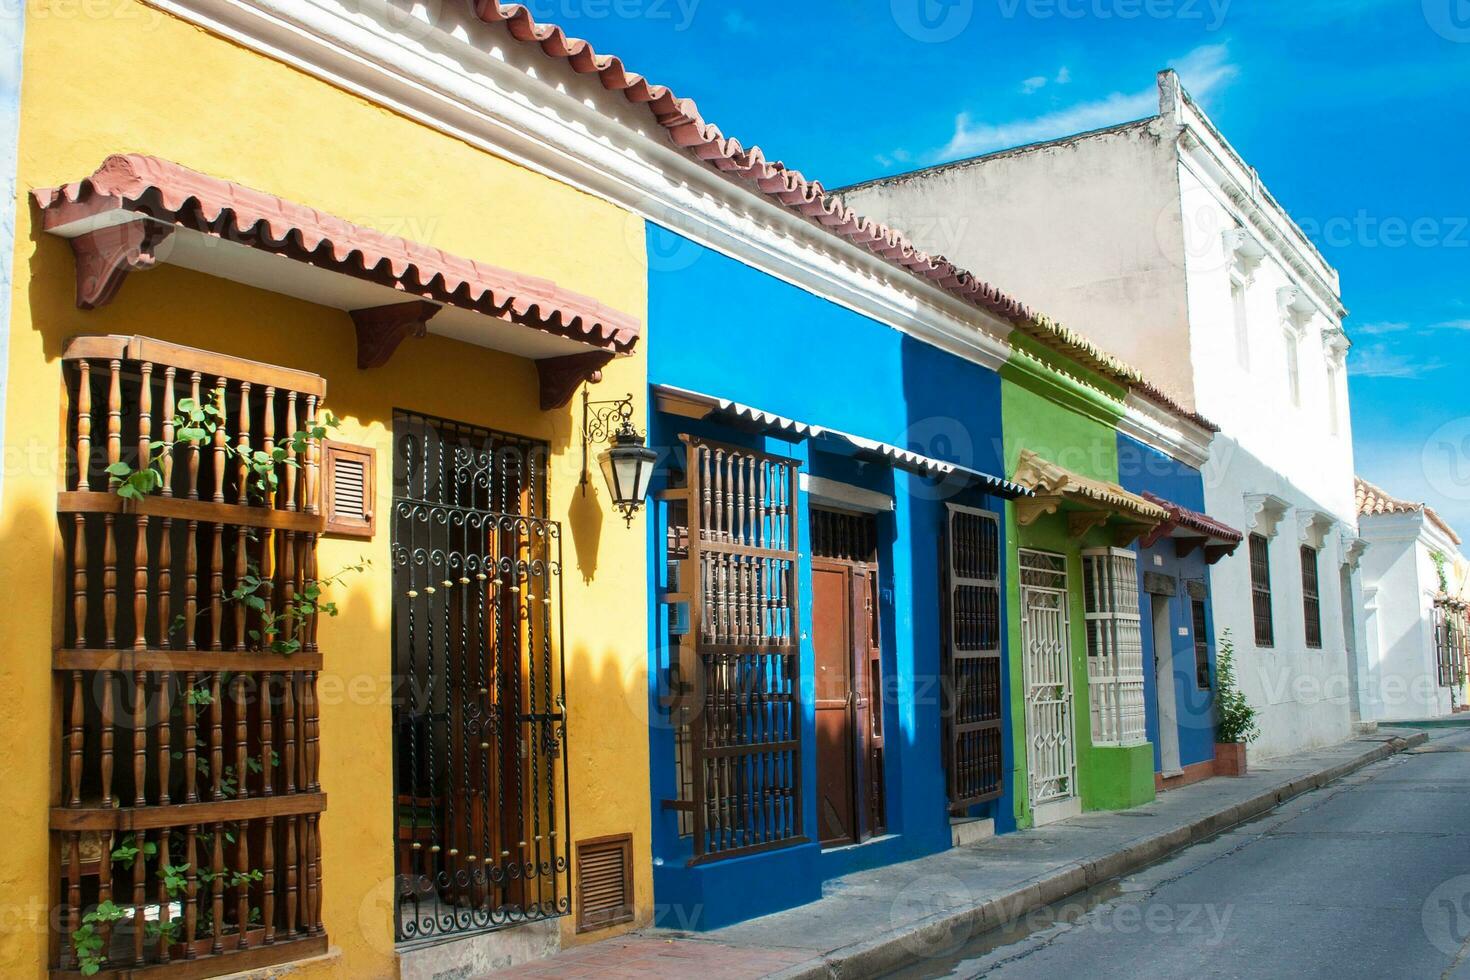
(627, 464)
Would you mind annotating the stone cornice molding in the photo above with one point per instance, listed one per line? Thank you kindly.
(1264, 513)
(1149, 424)
(1312, 527)
(1245, 251)
(1205, 152)
(1297, 309)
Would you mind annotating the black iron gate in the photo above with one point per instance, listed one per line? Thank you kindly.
(480, 803)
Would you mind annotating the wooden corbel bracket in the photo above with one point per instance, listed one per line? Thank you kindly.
(560, 377)
(1125, 534)
(1079, 522)
(1214, 552)
(380, 329)
(104, 258)
(1031, 509)
(1184, 547)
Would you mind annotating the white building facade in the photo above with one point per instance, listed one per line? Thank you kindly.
(1414, 592)
(1159, 243)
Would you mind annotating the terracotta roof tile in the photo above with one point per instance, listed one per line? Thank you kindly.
(176, 195)
(1195, 521)
(689, 130)
(1372, 499)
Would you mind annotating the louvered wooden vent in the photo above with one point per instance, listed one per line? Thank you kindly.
(349, 479)
(604, 882)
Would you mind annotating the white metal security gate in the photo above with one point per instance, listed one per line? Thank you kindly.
(1045, 638)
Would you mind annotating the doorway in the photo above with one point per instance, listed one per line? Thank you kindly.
(1047, 664)
(846, 640)
(1164, 693)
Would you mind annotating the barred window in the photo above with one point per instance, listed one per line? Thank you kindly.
(1452, 642)
(973, 624)
(1261, 590)
(1114, 646)
(1311, 598)
(1201, 646)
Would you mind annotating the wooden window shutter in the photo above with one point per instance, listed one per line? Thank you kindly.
(1114, 646)
(349, 490)
(604, 882)
(743, 651)
(974, 697)
(159, 649)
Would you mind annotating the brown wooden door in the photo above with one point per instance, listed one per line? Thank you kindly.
(833, 644)
(846, 644)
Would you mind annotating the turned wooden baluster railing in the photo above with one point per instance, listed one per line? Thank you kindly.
(107, 674)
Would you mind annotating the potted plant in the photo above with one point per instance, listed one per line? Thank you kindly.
(1236, 723)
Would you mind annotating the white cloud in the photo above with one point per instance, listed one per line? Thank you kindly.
(1381, 327)
(892, 158)
(1378, 329)
(1038, 82)
(1379, 361)
(1204, 70)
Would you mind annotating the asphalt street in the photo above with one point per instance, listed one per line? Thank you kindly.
(1368, 877)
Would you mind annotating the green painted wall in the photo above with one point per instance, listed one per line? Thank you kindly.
(1068, 417)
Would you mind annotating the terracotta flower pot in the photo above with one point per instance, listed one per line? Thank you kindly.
(203, 946)
(1230, 759)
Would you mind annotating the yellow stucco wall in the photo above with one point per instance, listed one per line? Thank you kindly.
(136, 80)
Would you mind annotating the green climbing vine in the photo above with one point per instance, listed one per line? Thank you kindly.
(1441, 568)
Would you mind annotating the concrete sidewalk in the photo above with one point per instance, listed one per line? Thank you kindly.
(874, 921)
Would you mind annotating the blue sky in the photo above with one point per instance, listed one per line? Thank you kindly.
(1356, 113)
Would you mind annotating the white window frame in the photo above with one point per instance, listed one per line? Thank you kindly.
(1114, 646)
(1293, 363)
(1240, 311)
(1334, 409)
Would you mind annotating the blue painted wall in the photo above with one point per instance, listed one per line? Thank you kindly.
(721, 328)
(1141, 468)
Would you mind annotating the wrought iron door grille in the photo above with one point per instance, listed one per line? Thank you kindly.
(479, 718)
(1046, 634)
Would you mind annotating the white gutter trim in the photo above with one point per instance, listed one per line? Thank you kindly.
(1177, 437)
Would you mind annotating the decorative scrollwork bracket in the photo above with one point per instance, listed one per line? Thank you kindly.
(600, 421)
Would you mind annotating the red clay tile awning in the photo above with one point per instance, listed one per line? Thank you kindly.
(1190, 529)
(138, 210)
